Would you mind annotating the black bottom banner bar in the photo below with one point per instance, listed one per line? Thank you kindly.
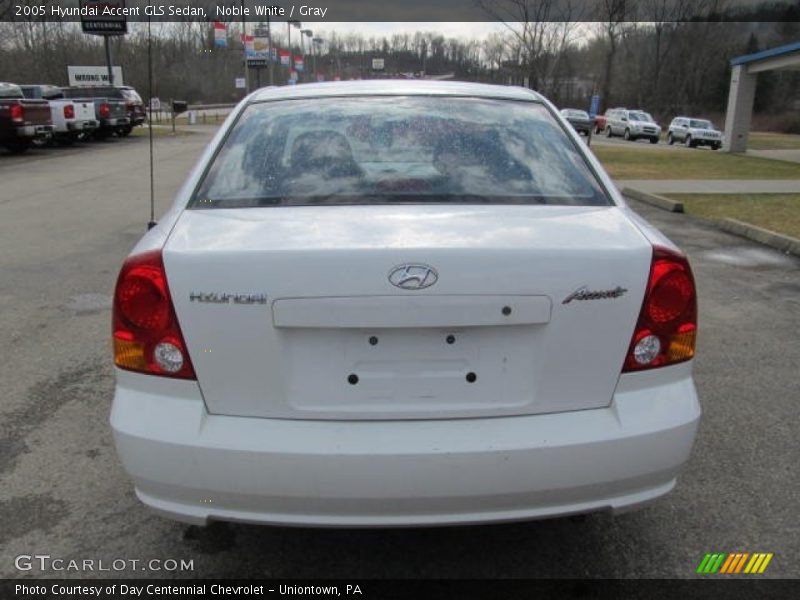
(372, 589)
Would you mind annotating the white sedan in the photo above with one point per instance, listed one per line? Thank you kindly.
(391, 303)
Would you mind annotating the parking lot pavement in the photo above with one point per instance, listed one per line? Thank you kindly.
(68, 218)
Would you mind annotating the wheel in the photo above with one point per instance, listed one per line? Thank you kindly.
(716, 146)
(18, 148)
(608, 131)
(627, 135)
(688, 141)
(66, 140)
(653, 140)
(124, 131)
(670, 139)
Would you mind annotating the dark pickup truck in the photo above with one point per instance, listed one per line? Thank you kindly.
(22, 121)
(133, 103)
(111, 113)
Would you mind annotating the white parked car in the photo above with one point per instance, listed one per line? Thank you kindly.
(399, 303)
(694, 133)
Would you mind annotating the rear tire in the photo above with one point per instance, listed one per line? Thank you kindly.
(670, 139)
(18, 148)
(716, 146)
(608, 131)
(653, 140)
(124, 131)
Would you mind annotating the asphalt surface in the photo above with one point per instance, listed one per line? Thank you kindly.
(68, 217)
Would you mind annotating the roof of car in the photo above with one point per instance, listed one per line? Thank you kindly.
(382, 87)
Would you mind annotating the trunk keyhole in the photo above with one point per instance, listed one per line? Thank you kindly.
(471, 377)
(352, 379)
(506, 310)
(450, 339)
(373, 341)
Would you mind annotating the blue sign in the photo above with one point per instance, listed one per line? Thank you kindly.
(595, 107)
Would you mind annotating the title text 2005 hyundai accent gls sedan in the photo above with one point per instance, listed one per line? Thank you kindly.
(401, 303)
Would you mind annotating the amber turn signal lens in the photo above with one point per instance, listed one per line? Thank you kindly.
(129, 355)
(681, 346)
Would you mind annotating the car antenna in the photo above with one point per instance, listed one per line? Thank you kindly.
(152, 222)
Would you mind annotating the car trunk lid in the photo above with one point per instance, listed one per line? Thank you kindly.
(291, 312)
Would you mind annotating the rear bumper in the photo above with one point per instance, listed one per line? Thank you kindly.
(116, 122)
(34, 131)
(196, 467)
(78, 126)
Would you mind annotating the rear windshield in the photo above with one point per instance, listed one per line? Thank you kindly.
(400, 149)
(10, 91)
(132, 96)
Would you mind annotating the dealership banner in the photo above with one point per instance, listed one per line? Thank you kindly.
(299, 63)
(285, 57)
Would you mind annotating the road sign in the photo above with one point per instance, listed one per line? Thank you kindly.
(240, 83)
(104, 17)
(377, 64)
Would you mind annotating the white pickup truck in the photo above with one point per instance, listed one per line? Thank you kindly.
(71, 118)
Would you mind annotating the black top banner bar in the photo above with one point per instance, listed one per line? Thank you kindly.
(403, 10)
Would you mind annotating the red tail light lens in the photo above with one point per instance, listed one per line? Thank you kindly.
(147, 336)
(69, 111)
(104, 111)
(667, 327)
(17, 112)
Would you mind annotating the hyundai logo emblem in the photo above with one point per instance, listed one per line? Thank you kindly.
(413, 276)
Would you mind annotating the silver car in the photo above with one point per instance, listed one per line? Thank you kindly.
(632, 125)
(694, 133)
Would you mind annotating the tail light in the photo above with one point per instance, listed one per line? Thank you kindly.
(104, 110)
(69, 111)
(146, 333)
(17, 113)
(667, 327)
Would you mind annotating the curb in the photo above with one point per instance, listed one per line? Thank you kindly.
(778, 241)
(655, 200)
(781, 242)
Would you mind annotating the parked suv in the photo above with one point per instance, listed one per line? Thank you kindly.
(632, 125)
(694, 133)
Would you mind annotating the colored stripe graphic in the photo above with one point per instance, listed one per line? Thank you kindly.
(735, 562)
(711, 563)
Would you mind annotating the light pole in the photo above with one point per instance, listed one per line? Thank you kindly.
(308, 33)
(289, 24)
(244, 43)
(317, 45)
